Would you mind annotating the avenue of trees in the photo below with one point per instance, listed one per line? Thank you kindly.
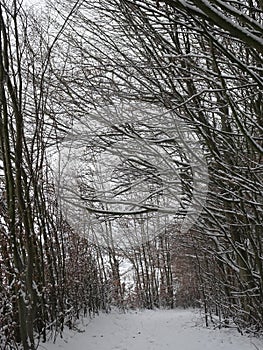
(131, 134)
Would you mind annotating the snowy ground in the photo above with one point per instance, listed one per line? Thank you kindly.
(153, 330)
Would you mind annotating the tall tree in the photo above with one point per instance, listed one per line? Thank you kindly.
(39, 251)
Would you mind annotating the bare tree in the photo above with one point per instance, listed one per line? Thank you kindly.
(42, 285)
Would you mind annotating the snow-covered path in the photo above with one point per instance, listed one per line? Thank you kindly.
(153, 330)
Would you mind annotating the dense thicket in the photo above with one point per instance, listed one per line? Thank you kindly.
(140, 67)
(48, 274)
(133, 105)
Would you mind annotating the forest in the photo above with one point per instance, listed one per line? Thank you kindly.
(131, 162)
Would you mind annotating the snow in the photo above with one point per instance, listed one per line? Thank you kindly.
(152, 330)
